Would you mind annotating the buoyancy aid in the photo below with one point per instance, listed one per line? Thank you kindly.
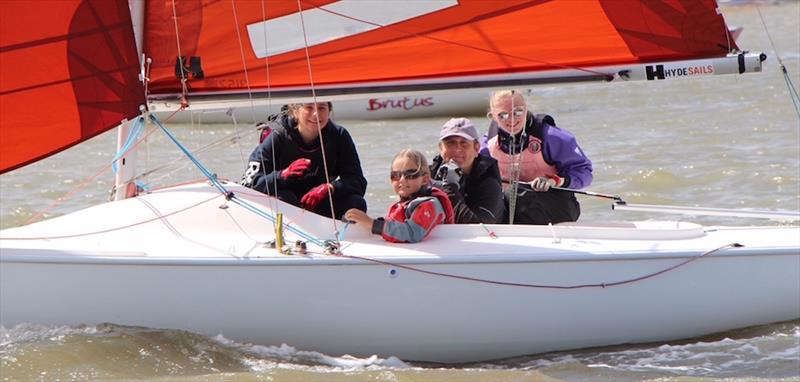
(397, 211)
(529, 151)
(421, 211)
(530, 161)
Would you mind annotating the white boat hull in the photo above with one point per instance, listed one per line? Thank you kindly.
(204, 269)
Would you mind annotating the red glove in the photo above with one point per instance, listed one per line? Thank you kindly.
(297, 168)
(312, 198)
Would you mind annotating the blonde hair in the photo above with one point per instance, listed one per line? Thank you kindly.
(416, 157)
(500, 94)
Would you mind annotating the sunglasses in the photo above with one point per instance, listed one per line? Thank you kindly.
(410, 174)
(518, 112)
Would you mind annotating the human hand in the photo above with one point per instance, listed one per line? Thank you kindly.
(358, 217)
(313, 197)
(296, 168)
(543, 183)
(450, 173)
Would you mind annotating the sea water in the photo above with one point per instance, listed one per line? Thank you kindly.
(726, 142)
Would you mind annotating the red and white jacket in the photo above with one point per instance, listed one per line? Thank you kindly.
(412, 220)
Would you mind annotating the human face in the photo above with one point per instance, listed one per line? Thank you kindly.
(460, 150)
(510, 113)
(312, 116)
(411, 178)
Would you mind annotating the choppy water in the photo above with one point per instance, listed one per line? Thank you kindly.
(728, 142)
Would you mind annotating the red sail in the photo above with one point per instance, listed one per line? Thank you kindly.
(68, 71)
(453, 39)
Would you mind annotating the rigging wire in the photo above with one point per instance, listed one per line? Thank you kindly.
(228, 194)
(514, 166)
(483, 50)
(71, 193)
(184, 89)
(273, 202)
(319, 128)
(787, 79)
(246, 79)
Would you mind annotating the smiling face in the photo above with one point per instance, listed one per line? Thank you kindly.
(461, 150)
(309, 117)
(408, 177)
(509, 110)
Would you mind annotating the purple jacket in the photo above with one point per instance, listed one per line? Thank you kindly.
(559, 148)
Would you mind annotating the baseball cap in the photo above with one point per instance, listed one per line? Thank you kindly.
(461, 127)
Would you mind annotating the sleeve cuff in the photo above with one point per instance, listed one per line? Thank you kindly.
(377, 226)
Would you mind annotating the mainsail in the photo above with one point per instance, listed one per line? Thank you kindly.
(352, 47)
(68, 71)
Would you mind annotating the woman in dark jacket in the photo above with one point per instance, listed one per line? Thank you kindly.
(289, 163)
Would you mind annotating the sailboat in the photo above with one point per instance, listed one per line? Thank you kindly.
(203, 256)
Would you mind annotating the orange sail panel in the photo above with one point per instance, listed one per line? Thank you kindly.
(229, 46)
(68, 71)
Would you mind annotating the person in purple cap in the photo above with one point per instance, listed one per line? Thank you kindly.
(471, 181)
(536, 154)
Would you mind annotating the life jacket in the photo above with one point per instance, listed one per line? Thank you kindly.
(273, 121)
(530, 161)
(529, 151)
(420, 209)
(397, 211)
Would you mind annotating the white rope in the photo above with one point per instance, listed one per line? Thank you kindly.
(273, 202)
(246, 80)
(319, 128)
(180, 55)
(515, 163)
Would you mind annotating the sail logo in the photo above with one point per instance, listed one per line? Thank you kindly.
(404, 103)
(654, 72)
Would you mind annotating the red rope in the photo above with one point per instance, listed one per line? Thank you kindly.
(579, 286)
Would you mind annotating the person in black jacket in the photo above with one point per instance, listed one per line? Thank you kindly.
(289, 162)
(471, 181)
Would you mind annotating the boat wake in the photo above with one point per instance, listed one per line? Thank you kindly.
(109, 351)
(770, 351)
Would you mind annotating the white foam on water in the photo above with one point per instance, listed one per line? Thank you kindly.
(722, 358)
(285, 356)
(25, 332)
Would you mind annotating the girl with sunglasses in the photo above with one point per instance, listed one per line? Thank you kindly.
(540, 155)
(420, 208)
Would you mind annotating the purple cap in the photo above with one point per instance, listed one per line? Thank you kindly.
(461, 127)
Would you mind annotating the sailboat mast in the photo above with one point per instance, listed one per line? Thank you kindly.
(126, 167)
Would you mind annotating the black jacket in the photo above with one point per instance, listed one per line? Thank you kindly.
(344, 167)
(479, 199)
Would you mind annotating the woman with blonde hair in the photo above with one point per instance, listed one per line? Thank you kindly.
(534, 153)
(420, 208)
